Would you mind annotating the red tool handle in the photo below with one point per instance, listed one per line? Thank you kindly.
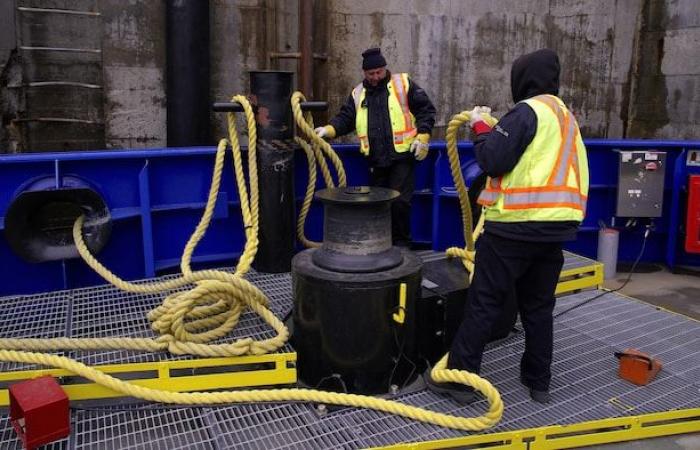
(644, 358)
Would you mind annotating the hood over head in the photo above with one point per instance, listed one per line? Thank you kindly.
(534, 74)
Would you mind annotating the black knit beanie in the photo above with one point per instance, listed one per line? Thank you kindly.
(372, 59)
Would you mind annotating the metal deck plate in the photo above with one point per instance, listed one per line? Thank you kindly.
(585, 385)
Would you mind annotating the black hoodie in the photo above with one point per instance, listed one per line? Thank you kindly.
(499, 151)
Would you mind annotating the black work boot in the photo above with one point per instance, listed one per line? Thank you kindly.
(538, 396)
(462, 394)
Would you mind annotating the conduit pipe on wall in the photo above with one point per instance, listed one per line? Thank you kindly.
(187, 82)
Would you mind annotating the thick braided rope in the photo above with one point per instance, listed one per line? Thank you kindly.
(217, 301)
(308, 195)
(316, 154)
(490, 418)
(306, 126)
(188, 320)
(468, 253)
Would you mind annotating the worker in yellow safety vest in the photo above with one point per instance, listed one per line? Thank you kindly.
(393, 118)
(535, 200)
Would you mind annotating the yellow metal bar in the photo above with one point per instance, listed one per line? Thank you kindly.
(602, 431)
(499, 441)
(618, 430)
(245, 372)
(401, 315)
(580, 278)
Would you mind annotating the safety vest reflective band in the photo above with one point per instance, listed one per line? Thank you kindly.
(543, 187)
(403, 123)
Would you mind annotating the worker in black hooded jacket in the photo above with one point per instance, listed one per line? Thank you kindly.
(534, 201)
(393, 118)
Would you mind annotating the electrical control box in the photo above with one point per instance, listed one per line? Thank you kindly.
(640, 189)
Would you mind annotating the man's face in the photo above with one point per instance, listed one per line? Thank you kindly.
(374, 76)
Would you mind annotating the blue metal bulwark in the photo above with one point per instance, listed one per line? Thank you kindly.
(156, 198)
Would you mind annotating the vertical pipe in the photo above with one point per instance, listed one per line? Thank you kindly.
(322, 23)
(271, 92)
(187, 30)
(306, 62)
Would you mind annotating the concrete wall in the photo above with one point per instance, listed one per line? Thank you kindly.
(10, 139)
(133, 50)
(54, 91)
(243, 34)
(630, 67)
(460, 52)
(665, 94)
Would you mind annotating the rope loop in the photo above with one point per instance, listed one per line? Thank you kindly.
(188, 321)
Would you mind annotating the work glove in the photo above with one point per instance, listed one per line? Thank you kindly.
(325, 132)
(419, 146)
(477, 120)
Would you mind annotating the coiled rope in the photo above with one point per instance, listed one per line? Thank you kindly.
(214, 305)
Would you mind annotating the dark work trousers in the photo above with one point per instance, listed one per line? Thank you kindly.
(399, 176)
(505, 268)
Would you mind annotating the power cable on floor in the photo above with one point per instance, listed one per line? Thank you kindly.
(619, 288)
(518, 332)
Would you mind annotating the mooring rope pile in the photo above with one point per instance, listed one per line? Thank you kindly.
(187, 322)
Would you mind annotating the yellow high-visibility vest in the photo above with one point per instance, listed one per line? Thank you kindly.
(550, 181)
(403, 123)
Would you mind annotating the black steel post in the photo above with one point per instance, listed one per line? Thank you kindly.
(187, 25)
(271, 92)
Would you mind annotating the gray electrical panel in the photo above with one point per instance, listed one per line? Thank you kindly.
(640, 190)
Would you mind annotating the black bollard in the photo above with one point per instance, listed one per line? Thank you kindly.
(346, 295)
(271, 92)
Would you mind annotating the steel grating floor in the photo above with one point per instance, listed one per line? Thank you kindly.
(106, 311)
(574, 261)
(585, 385)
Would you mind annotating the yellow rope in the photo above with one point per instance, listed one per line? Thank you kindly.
(489, 419)
(468, 253)
(316, 152)
(188, 320)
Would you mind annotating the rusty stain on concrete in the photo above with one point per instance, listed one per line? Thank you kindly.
(650, 111)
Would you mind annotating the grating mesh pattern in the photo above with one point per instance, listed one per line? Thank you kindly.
(573, 261)
(155, 429)
(107, 311)
(49, 313)
(585, 385)
(9, 441)
(290, 426)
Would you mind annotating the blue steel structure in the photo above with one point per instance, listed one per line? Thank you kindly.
(156, 198)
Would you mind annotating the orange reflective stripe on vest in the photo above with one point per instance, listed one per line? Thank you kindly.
(491, 192)
(402, 97)
(545, 197)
